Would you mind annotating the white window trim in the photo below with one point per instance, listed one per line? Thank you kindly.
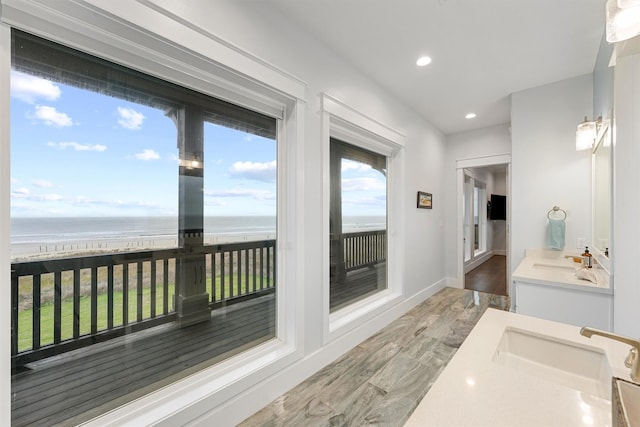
(5, 221)
(348, 124)
(211, 66)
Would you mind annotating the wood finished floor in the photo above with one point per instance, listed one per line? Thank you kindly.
(381, 381)
(491, 276)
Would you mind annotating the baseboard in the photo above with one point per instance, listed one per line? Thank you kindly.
(502, 252)
(241, 406)
(454, 282)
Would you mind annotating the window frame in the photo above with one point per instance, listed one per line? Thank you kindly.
(152, 41)
(349, 125)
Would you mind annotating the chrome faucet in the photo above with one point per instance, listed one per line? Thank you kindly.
(631, 360)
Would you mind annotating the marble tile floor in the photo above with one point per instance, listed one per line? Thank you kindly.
(381, 381)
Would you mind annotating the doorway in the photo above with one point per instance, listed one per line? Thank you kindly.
(483, 242)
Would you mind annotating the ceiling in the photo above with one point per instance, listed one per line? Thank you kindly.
(482, 50)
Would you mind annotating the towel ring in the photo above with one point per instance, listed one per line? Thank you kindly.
(556, 209)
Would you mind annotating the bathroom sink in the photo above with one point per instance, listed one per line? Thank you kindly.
(570, 364)
(557, 267)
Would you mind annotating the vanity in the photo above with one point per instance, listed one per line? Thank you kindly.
(545, 282)
(546, 286)
(517, 370)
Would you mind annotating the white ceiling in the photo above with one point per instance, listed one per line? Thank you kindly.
(482, 50)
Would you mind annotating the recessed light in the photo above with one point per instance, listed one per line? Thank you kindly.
(423, 60)
(470, 116)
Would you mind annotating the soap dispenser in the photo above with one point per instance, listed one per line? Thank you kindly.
(587, 258)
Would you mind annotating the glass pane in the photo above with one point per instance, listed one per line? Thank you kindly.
(116, 274)
(476, 219)
(467, 217)
(239, 186)
(358, 249)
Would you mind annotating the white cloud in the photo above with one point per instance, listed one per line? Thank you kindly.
(21, 192)
(48, 197)
(254, 170)
(147, 154)
(252, 193)
(130, 118)
(350, 165)
(77, 146)
(363, 184)
(42, 183)
(13, 180)
(28, 88)
(52, 117)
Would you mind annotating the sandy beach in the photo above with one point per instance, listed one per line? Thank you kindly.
(22, 252)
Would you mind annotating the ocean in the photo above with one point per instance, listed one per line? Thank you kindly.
(38, 236)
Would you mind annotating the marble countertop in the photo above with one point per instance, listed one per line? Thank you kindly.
(475, 390)
(551, 268)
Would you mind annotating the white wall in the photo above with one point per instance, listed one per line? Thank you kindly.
(546, 168)
(260, 30)
(490, 141)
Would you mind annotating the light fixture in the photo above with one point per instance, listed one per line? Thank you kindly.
(470, 116)
(423, 60)
(586, 134)
(623, 20)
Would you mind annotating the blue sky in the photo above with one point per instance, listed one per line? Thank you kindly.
(80, 153)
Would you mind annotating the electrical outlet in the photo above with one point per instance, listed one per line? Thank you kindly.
(581, 242)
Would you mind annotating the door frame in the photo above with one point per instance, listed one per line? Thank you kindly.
(478, 162)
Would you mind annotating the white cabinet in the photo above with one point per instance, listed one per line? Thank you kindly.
(572, 305)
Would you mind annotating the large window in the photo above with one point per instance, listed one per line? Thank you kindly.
(358, 223)
(142, 232)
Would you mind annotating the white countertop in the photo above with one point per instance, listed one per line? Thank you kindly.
(474, 390)
(550, 268)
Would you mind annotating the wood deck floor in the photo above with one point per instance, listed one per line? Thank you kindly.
(79, 385)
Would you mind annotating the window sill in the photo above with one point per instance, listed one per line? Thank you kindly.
(348, 318)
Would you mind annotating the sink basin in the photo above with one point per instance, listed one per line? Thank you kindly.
(570, 364)
(557, 267)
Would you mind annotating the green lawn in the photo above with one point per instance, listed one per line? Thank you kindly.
(25, 327)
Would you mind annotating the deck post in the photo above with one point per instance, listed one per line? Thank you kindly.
(192, 299)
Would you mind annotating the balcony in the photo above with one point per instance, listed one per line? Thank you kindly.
(93, 332)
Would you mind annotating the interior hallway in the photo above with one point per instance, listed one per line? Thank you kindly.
(382, 380)
(490, 276)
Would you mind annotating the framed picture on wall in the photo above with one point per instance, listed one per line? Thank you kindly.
(425, 200)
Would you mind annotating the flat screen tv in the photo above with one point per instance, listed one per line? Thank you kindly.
(498, 208)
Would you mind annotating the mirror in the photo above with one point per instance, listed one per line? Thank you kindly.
(602, 169)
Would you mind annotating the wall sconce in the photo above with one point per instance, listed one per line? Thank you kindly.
(623, 20)
(586, 133)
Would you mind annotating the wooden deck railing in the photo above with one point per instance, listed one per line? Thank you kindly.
(59, 305)
(364, 249)
(63, 304)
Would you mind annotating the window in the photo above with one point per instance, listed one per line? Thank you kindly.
(142, 233)
(363, 160)
(358, 223)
